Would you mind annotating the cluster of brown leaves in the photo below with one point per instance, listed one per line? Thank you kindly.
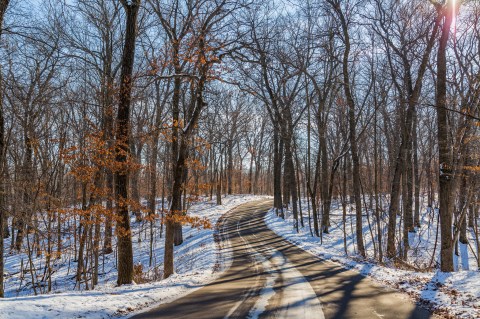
(183, 218)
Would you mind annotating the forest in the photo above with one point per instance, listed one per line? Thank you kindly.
(123, 115)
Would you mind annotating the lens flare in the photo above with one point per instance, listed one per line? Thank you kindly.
(454, 14)
(454, 20)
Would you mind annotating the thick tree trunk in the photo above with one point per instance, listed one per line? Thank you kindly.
(2, 230)
(175, 209)
(444, 151)
(124, 236)
(176, 141)
(3, 219)
(471, 213)
(324, 185)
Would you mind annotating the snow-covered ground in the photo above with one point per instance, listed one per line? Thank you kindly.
(454, 295)
(197, 262)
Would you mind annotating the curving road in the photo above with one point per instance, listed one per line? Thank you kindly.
(272, 278)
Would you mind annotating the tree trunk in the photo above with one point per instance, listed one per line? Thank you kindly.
(286, 173)
(444, 151)
(416, 173)
(177, 231)
(124, 236)
(26, 200)
(175, 209)
(3, 219)
(136, 150)
(218, 188)
(376, 187)
(290, 178)
(2, 222)
(471, 213)
(324, 185)
(108, 92)
(229, 166)
(463, 207)
(277, 174)
(250, 174)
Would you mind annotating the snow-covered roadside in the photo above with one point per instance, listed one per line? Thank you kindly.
(453, 295)
(197, 262)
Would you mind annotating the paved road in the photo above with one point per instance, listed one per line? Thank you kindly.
(271, 278)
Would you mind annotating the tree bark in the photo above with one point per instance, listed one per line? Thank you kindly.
(108, 87)
(26, 198)
(229, 165)
(324, 185)
(416, 174)
(444, 151)
(136, 151)
(291, 179)
(277, 174)
(3, 219)
(124, 236)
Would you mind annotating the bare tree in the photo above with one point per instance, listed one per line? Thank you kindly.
(344, 24)
(124, 236)
(447, 11)
(3, 9)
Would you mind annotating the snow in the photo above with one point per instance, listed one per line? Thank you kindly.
(267, 292)
(299, 300)
(197, 262)
(454, 294)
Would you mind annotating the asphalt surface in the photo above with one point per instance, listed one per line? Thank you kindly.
(272, 278)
